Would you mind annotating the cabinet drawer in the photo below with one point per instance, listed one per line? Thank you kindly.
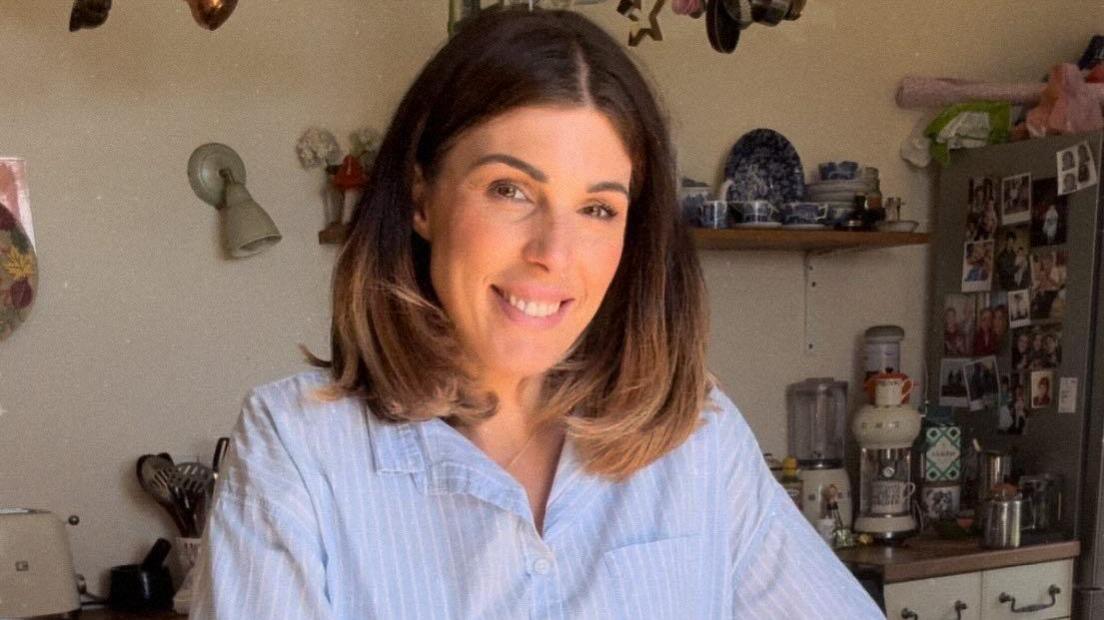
(1030, 585)
(934, 599)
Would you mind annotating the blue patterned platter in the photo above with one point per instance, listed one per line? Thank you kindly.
(763, 165)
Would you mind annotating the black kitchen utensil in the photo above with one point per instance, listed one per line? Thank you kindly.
(155, 477)
(156, 555)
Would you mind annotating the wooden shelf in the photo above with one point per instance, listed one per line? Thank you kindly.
(800, 240)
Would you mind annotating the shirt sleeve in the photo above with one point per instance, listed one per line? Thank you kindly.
(781, 568)
(262, 555)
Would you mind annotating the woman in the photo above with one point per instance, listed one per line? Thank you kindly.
(516, 421)
(985, 339)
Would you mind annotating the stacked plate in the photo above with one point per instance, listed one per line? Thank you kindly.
(836, 191)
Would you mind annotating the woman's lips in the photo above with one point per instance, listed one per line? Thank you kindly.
(521, 317)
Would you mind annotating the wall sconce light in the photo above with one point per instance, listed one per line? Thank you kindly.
(217, 176)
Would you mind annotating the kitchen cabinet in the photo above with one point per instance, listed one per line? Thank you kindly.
(1041, 591)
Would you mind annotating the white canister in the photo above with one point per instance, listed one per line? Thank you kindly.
(883, 349)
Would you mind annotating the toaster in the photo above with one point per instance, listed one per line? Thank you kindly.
(36, 565)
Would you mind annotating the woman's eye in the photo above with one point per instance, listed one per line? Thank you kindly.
(507, 190)
(600, 211)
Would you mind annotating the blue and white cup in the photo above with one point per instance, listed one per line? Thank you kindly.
(838, 212)
(838, 170)
(756, 212)
(714, 214)
(804, 213)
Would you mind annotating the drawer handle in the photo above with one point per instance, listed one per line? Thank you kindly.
(959, 608)
(1053, 591)
(909, 614)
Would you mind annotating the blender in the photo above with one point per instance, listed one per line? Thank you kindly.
(817, 432)
(885, 431)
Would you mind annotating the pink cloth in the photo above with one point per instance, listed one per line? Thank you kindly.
(926, 92)
(1068, 105)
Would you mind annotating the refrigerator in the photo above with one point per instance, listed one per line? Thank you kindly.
(1016, 307)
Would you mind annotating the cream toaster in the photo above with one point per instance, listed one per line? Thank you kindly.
(36, 565)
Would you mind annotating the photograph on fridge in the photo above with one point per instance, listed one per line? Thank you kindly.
(1048, 284)
(991, 326)
(1042, 388)
(1019, 308)
(977, 266)
(982, 386)
(958, 324)
(1011, 407)
(1037, 347)
(982, 219)
(1086, 167)
(1016, 199)
(952, 383)
(1049, 214)
(1012, 262)
(1013, 418)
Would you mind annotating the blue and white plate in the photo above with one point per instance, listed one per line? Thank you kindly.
(763, 165)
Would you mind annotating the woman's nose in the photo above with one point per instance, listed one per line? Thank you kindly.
(549, 242)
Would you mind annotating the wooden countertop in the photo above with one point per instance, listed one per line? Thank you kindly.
(924, 557)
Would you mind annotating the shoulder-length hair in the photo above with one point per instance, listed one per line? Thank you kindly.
(632, 386)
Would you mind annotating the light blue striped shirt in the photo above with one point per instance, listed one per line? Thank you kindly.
(325, 511)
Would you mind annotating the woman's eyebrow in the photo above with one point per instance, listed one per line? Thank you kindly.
(513, 162)
(540, 176)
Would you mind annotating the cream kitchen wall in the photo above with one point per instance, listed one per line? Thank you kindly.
(144, 339)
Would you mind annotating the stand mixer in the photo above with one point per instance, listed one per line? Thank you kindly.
(885, 431)
(817, 432)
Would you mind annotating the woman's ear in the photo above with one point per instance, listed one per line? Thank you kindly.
(420, 192)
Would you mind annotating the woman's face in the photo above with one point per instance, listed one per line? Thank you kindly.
(1022, 343)
(526, 221)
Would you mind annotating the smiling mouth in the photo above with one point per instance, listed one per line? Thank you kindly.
(531, 308)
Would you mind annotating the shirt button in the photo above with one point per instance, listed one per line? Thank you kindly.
(541, 566)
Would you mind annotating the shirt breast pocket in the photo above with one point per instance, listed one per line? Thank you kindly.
(657, 579)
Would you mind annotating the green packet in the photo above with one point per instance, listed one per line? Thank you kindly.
(968, 125)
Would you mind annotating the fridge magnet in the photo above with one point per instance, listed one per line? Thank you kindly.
(977, 266)
(981, 215)
(1016, 199)
(982, 386)
(1086, 166)
(1019, 308)
(952, 383)
(1067, 395)
(1048, 214)
(958, 324)
(1042, 385)
(1048, 284)
(14, 195)
(1067, 170)
(1013, 268)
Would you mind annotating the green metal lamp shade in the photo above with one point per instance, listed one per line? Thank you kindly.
(217, 176)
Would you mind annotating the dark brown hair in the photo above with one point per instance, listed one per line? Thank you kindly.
(632, 386)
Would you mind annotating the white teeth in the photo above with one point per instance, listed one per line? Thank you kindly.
(533, 308)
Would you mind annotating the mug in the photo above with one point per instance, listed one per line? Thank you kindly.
(804, 212)
(756, 211)
(714, 214)
(890, 496)
(889, 388)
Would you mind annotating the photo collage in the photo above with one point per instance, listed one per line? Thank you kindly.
(1002, 334)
